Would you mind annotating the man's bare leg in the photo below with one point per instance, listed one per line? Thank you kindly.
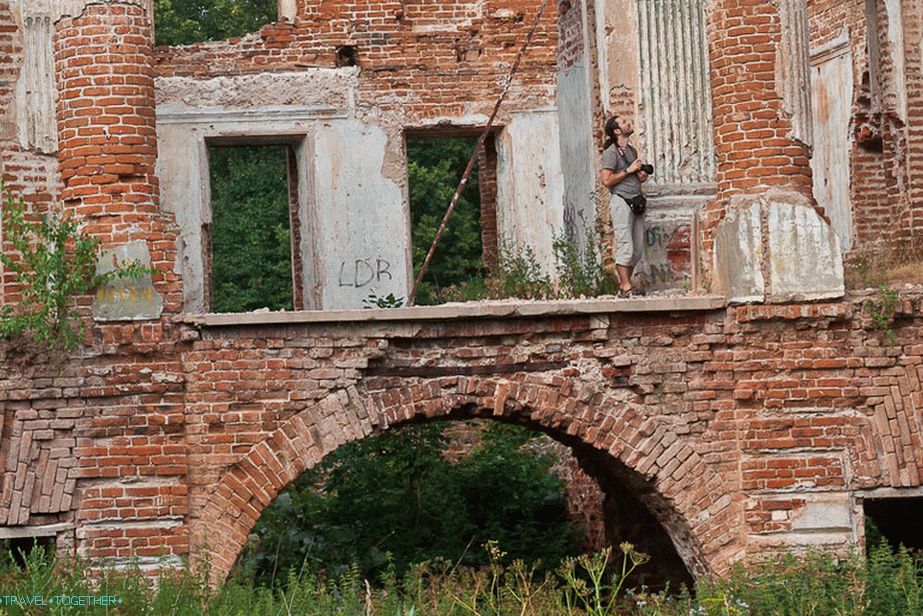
(624, 273)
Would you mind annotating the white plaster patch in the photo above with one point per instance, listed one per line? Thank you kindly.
(805, 258)
(363, 235)
(579, 164)
(530, 197)
(56, 9)
(335, 88)
(825, 512)
(738, 255)
(896, 44)
(832, 93)
(126, 299)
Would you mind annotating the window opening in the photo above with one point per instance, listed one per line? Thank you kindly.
(21, 547)
(468, 247)
(251, 228)
(895, 520)
(347, 55)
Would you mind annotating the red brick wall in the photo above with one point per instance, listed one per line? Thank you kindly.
(29, 175)
(487, 185)
(412, 61)
(912, 222)
(722, 411)
(753, 147)
(884, 159)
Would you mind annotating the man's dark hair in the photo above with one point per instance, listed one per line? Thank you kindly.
(609, 130)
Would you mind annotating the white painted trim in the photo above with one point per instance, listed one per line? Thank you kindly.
(178, 114)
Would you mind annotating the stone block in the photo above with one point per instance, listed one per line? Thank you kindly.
(127, 299)
(776, 247)
(738, 256)
(805, 261)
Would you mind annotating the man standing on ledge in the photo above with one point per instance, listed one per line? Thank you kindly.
(622, 174)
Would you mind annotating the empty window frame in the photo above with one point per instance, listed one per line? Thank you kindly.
(252, 242)
(895, 520)
(467, 250)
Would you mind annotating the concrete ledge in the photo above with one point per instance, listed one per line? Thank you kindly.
(495, 309)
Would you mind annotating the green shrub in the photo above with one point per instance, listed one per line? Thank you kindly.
(518, 274)
(580, 272)
(56, 264)
(396, 499)
(887, 583)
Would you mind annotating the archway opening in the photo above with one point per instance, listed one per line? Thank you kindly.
(441, 490)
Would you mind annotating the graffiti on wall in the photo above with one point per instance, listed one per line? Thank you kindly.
(667, 262)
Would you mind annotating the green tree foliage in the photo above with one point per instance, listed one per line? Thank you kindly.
(398, 494)
(434, 167)
(251, 237)
(180, 22)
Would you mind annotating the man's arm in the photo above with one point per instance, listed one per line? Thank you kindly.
(610, 178)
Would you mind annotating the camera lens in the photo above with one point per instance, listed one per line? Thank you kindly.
(648, 169)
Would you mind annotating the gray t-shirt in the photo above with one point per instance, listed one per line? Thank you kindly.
(618, 159)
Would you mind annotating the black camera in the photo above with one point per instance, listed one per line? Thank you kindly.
(648, 169)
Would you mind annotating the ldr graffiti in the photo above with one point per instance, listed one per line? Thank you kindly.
(362, 272)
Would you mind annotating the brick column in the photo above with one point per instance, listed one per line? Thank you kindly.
(106, 132)
(131, 496)
(764, 200)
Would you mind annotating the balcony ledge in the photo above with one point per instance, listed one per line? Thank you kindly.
(493, 309)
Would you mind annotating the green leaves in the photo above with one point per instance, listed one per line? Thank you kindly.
(434, 169)
(251, 237)
(396, 499)
(180, 22)
(56, 262)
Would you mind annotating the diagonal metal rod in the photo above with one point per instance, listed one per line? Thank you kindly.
(474, 156)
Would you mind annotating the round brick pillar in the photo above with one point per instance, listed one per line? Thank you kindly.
(107, 138)
(105, 113)
(754, 146)
(763, 238)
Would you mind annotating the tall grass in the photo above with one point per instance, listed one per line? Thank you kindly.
(885, 583)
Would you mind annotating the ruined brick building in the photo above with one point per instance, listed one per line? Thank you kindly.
(763, 412)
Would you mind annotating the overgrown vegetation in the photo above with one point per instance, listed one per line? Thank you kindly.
(876, 266)
(56, 263)
(580, 272)
(251, 230)
(887, 583)
(388, 502)
(882, 312)
(179, 22)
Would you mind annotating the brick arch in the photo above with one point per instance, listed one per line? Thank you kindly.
(686, 496)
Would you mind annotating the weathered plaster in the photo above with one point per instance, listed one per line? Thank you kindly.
(738, 255)
(576, 142)
(127, 299)
(896, 45)
(832, 93)
(805, 258)
(530, 183)
(774, 246)
(182, 135)
(361, 226)
(312, 86)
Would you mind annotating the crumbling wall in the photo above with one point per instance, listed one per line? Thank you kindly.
(415, 69)
(879, 41)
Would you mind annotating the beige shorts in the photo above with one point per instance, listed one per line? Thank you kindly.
(629, 232)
